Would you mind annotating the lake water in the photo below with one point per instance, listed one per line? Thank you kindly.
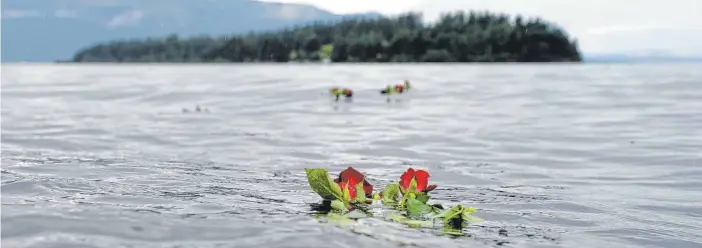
(598, 155)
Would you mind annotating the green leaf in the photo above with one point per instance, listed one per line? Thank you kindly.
(467, 217)
(339, 219)
(390, 194)
(405, 197)
(336, 190)
(458, 216)
(322, 184)
(403, 201)
(413, 185)
(416, 208)
(422, 197)
(396, 217)
(356, 214)
(347, 195)
(339, 206)
(435, 209)
(360, 193)
(419, 223)
(452, 213)
(412, 223)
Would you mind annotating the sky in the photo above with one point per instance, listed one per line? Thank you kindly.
(633, 27)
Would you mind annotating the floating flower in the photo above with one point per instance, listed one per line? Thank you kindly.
(350, 178)
(345, 189)
(415, 181)
(348, 193)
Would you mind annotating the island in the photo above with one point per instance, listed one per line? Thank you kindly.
(455, 37)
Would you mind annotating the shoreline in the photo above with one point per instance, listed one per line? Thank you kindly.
(12, 63)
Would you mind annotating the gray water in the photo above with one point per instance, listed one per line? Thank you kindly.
(601, 155)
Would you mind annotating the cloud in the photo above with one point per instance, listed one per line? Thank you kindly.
(345, 6)
(20, 13)
(601, 26)
(125, 19)
(289, 12)
(605, 26)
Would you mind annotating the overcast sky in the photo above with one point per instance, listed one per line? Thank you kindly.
(601, 26)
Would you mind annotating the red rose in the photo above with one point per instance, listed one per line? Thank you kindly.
(421, 178)
(399, 88)
(349, 178)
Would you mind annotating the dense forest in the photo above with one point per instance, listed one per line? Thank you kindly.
(455, 37)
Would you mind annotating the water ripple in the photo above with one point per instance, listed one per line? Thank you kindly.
(552, 156)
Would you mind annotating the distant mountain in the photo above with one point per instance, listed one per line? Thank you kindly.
(642, 58)
(49, 30)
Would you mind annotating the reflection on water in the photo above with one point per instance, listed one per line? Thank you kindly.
(550, 155)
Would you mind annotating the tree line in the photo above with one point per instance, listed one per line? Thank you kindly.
(455, 37)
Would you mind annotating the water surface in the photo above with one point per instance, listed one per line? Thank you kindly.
(604, 155)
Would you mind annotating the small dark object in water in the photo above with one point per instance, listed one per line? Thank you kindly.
(323, 208)
(455, 223)
(197, 109)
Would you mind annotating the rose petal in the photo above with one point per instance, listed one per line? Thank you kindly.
(422, 179)
(352, 190)
(430, 188)
(406, 178)
(351, 172)
(351, 184)
(357, 176)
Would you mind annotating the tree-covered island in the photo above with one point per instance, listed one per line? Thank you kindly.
(455, 37)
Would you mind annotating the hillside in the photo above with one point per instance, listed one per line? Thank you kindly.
(456, 37)
(48, 30)
(649, 57)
